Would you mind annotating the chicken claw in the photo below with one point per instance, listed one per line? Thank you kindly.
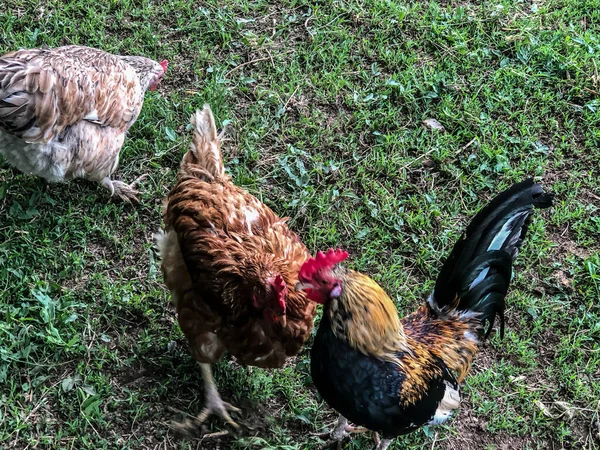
(381, 444)
(126, 192)
(341, 431)
(213, 405)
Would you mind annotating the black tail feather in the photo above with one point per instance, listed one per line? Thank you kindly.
(476, 275)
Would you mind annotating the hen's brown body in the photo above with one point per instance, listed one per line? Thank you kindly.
(64, 112)
(222, 256)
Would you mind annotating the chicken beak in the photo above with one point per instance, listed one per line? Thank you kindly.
(283, 320)
(301, 286)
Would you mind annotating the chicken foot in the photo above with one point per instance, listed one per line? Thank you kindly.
(341, 431)
(213, 405)
(381, 444)
(126, 192)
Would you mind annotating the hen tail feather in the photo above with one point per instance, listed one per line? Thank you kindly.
(205, 148)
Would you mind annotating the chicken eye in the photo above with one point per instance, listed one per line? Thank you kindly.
(323, 282)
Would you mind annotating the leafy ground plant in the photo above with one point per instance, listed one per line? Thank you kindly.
(379, 126)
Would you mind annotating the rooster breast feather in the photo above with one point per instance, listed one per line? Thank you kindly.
(43, 91)
(371, 391)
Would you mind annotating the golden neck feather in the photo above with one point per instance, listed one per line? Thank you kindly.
(366, 317)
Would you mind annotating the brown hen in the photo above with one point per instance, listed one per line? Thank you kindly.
(64, 112)
(231, 265)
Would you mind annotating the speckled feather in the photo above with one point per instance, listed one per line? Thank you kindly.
(220, 242)
(64, 112)
(453, 338)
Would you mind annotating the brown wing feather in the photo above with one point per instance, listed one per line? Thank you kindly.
(42, 91)
(221, 251)
(452, 339)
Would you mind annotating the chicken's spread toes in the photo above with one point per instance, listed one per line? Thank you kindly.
(126, 192)
(214, 405)
(341, 431)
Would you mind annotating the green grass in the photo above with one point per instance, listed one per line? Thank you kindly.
(324, 102)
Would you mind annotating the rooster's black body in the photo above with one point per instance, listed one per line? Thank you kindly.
(368, 391)
(395, 375)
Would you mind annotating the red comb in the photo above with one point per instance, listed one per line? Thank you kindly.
(321, 261)
(164, 64)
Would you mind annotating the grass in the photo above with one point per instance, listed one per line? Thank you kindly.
(325, 102)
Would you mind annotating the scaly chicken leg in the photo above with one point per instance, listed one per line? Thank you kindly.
(214, 404)
(340, 432)
(381, 444)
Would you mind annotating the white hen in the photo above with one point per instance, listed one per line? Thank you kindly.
(64, 112)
